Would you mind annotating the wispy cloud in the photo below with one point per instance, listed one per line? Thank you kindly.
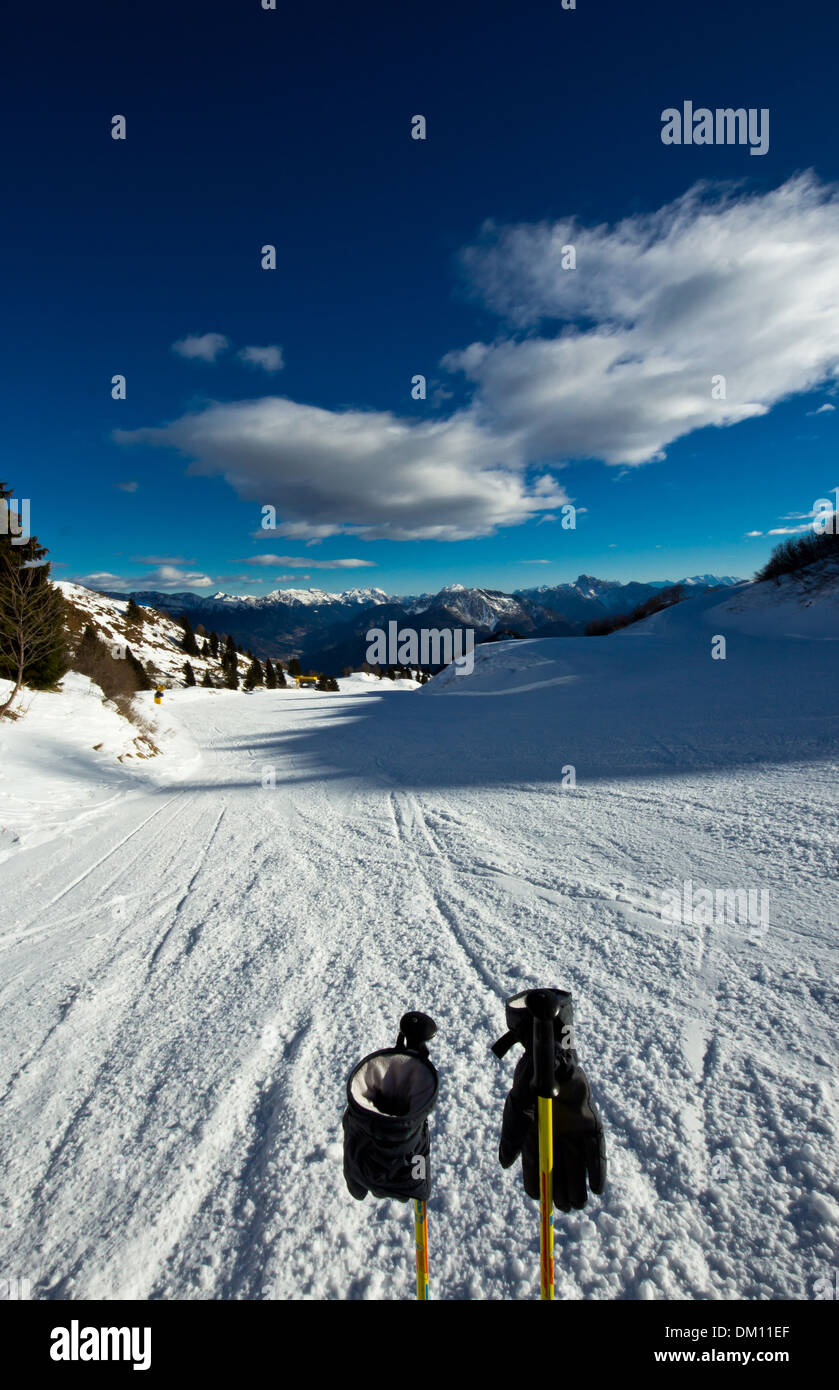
(825, 409)
(127, 487)
(293, 562)
(714, 283)
(161, 560)
(205, 346)
(269, 359)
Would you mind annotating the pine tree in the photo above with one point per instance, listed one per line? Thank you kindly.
(270, 675)
(32, 645)
(282, 683)
(189, 674)
(189, 643)
(230, 665)
(214, 645)
(207, 681)
(294, 667)
(142, 680)
(205, 650)
(253, 676)
(134, 615)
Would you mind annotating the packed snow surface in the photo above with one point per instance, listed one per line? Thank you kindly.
(191, 964)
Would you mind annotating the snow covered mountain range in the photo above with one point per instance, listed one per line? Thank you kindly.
(326, 630)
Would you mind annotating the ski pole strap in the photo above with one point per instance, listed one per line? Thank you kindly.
(520, 1018)
(502, 1047)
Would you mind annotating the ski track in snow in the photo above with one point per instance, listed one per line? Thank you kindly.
(187, 979)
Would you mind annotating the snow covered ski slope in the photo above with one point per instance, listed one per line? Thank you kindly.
(187, 974)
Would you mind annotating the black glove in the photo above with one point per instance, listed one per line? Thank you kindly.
(579, 1148)
(386, 1143)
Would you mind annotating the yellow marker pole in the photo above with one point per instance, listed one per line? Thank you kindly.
(421, 1240)
(546, 1188)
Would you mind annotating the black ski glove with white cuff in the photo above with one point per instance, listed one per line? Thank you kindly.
(390, 1095)
(579, 1148)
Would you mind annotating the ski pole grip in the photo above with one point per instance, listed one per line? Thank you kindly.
(543, 1006)
(415, 1030)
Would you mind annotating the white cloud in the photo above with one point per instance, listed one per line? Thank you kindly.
(823, 409)
(270, 359)
(294, 562)
(127, 487)
(164, 577)
(306, 531)
(362, 473)
(206, 346)
(658, 305)
(611, 361)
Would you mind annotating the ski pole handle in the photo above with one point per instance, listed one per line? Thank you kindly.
(543, 1007)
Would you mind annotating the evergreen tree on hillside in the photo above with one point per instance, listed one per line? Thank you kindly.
(32, 644)
(282, 683)
(133, 614)
(270, 675)
(294, 667)
(189, 643)
(189, 674)
(214, 645)
(230, 666)
(253, 676)
(141, 679)
(207, 681)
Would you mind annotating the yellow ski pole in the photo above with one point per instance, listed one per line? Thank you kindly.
(543, 1006)
(415, 1032)
(421, 1238)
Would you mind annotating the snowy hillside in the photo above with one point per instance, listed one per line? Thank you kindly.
(802, 604)
(194, 967)
(158, 641)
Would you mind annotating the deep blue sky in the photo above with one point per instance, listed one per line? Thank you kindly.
(293, 127)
